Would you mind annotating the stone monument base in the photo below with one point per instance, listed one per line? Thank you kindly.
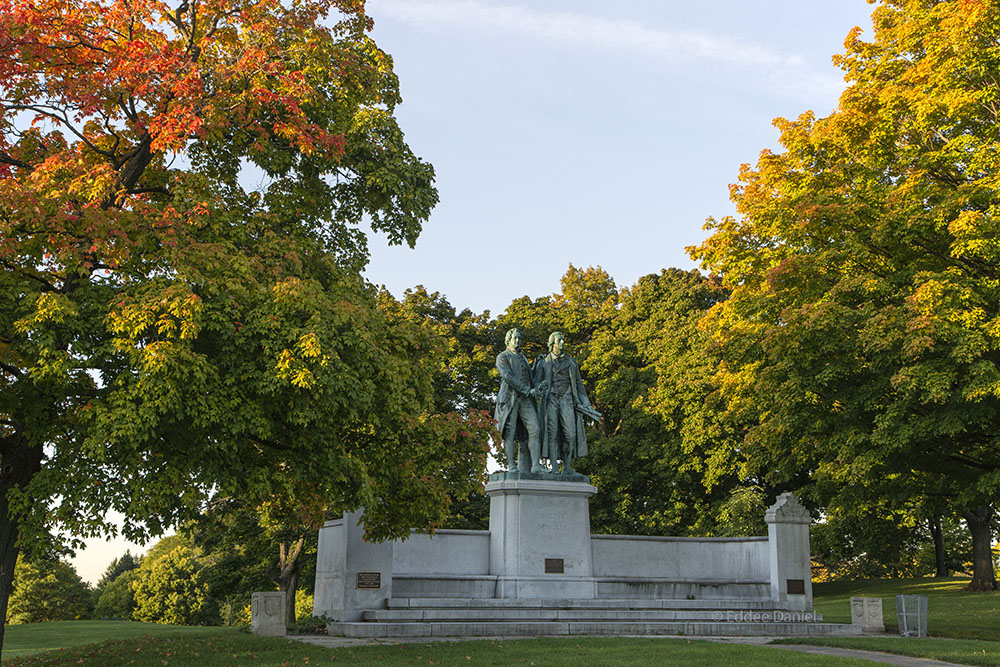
(540, 536)
(539, 571)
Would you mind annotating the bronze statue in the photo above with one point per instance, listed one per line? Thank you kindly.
(517, 412)
(564, 404)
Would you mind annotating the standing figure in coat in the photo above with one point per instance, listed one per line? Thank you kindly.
(516, 411)
(564, 403)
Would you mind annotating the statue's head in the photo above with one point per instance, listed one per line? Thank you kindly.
(556, 342)
(512, 339)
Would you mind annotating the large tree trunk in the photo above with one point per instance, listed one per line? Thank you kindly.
(18, 464)
(937, 534)
(980, 522)
(8, 557)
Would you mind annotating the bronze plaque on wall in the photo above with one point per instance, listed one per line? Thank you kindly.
(795, 586)
(554, 566)
(369, 580)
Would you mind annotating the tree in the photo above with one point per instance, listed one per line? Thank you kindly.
(465, 378)
(165, 332)
(860, 341)
(247, 549)
(117, 598)
(170, 589)
(583, 305)
(116, 568)
(466, 347)
(665, 461)
(48, 591)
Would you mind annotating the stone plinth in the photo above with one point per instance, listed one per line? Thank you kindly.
(267, 614)
(788, 550)
(540, 536)
(867, 613)
(351, 573)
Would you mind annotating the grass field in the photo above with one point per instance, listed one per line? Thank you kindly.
(226, 647)
(966, 627)
(21, 640)
(951, 611)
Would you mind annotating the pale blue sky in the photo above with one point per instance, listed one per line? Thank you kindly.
(584, 132)
(590, 133)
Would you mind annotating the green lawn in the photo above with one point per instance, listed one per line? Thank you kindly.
(964, 627)
(226, 647)
(951, 611)
(20, 640)
(961, 651)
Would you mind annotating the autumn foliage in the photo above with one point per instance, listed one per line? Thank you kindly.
(862, 337)
(181, 311)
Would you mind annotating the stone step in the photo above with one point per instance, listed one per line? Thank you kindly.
(619, 628)
(575, 603)
(508, 614)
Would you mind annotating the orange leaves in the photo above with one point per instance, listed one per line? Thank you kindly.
(146, 71)
(114, 87)
(73, 175)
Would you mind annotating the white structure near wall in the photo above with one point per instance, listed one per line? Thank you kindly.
(539, 547)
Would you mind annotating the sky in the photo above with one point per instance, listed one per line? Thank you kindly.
(585, 133)
(590, 133)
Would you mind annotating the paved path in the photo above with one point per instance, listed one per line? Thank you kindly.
(873, 656)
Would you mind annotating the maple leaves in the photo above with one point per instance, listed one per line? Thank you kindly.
(863, 331)
(163, 330)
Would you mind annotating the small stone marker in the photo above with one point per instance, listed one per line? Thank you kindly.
(267, 614)
(867, 612)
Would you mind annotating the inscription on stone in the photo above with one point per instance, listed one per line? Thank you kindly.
(795, 586)
(554, 566)
(369, 580)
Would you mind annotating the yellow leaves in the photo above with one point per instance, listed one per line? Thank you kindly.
(73, 174)
(50, 308)
(51, 313)
(149, 324)
(296, 366)
(976, 235)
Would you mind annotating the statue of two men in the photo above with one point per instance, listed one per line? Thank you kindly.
(552, 427)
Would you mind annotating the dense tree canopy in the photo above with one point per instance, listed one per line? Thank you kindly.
(117, 599)
(48, 591)
(165, 331)
(170, 588)
(116, 568)
(861, 338)
(665, 462)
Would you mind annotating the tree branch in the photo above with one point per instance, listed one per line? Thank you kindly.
(157, 190)
(46, 285)
(972, 463)
(62, 120)
(7, 159)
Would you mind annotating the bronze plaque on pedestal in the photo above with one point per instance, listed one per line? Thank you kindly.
(795, 586)
(554, 566)
(369, 580)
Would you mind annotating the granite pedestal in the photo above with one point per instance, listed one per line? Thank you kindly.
(540, 536)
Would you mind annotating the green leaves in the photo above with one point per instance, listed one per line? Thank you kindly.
(859, 333)
(48, 591)
(168, 589)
